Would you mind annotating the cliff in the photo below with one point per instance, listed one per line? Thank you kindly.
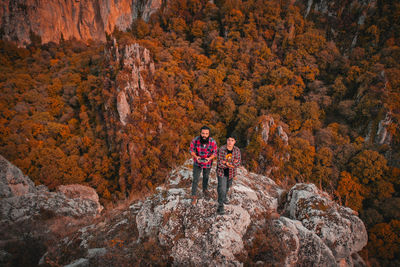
(79, 19)
(165, 228)
(342, 21)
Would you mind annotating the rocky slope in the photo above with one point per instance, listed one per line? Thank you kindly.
(166, 229)
(31, 216)
(79, 19)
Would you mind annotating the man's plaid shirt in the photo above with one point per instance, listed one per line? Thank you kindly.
(236, 161)
(203, 150)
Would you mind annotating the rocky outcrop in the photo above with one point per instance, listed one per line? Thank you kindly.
(130, 82)
(382, 135)
(132, 98)
(81, 192)
(82, 20)
(335, 9)
(377, 132)
(269, 141)
(268, 127)
(28, 206)
(312, 231)
(12, 181)
(337, 226)
(21, 200)
(29, 214)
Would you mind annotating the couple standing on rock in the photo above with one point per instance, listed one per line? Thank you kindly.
(204, 149)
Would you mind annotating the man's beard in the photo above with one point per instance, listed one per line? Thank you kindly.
(204, 140)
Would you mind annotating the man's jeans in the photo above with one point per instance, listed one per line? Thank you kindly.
(223, 186)
(196, 176)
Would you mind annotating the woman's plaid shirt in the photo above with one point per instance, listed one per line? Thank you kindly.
(203, 150)
(236, 161)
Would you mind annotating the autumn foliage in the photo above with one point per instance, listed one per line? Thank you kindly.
(224, 64)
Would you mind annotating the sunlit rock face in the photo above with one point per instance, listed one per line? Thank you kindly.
(79, 19)
(312, 230)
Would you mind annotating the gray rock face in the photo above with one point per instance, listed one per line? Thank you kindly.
(79, 263)
(130, 83)
(81, 193)
(283, 135)
(338, 227)
(49, 204)
(308, 248)
(314, 231)
(266, 124)
(123, 107)
(12, 181)
(336, 13)
(133, 91)
(33, 214)
(382, 135)
(20, 199)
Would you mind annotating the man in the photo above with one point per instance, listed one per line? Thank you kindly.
(203, 148)
(229, 158)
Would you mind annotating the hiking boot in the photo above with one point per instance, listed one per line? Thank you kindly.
(194, 200)
(220, 211)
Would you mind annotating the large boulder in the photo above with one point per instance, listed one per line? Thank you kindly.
(307, 248)
(338, 227)
(81, 193)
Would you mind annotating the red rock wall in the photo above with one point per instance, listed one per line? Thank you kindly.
(80, 19)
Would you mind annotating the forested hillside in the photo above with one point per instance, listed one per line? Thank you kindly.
(224, 64)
